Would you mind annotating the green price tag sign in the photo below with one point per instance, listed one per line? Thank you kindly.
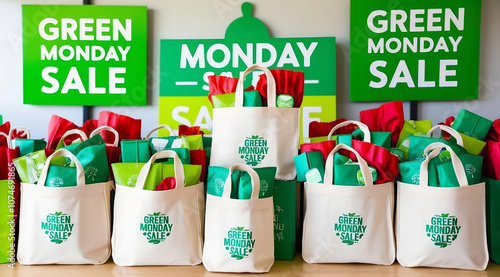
(84, 55)
(414, 50)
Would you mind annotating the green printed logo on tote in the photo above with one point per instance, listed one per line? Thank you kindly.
(58, 227)
(156, 227)
(350, 228)
(443, 229)
(254, 150)
(239, 242)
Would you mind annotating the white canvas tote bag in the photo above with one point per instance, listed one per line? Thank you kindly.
(158, 227)
(256, 136)
(239, 234)
(64, 225)
(441, 226)
(348, 224)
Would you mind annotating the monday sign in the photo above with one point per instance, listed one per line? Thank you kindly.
(414, 50)
(186, 64)
(84, 55)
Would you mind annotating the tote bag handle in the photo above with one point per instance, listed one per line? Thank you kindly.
(328, 177)
(361, 125)
(81, 133)
(457, 164)
(271, 86)
(107, 128)
(7, 138)
(80, 173)
(254, 177)
(178, 169)
(24, 129)
(449, 130)
(166, 127)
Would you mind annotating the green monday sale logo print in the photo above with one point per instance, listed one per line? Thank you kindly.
(350, 228)
(254, 150)
(156, 227)
(239, 242)
(443, 229)
(58, 227)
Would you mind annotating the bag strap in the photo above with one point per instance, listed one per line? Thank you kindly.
(107, 128)
(457, 164)
(178, 169)
(79, 132)
(361, 125)
(271, 86)
(7, 138)
(24, 129)
(328, 177)
(449, 130)
(166, 127)
(254, 177)
(80, 173)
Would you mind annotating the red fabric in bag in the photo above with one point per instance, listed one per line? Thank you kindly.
(89, 126)
(199, 157)
(491, 163)
(321, 129)
(386, 164)
(325, 147)
(221, 85)
(494, 133)
(389, 117)
(287, 82)
(185, 130)
(167, 184)
(126, 126)
(57, 127)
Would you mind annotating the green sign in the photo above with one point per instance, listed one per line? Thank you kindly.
(185, 65)
(84, 55)
(414, 50)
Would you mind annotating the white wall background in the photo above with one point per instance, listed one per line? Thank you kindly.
(208, 19)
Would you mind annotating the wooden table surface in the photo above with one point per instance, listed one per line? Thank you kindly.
(280, 268)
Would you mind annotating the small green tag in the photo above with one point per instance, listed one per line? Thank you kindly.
(444, 156)
(284, 101)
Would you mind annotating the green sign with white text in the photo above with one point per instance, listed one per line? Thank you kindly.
(414, 50)
(84, 55)
(185, 65)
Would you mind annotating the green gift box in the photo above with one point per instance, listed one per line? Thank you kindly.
(412, 127)
(472, 145)
(307, 161)
(471, 124)
(250, 99)
(378, 138)
(240, 182)
(410, 172)
(349, 174)
(135, 151)
(126, 174)
(472, 164)
(29, 167)
(285, 220)
(27, 146)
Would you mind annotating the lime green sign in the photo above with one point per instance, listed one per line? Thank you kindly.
(84, 55)
(414, 50)
(185, 65)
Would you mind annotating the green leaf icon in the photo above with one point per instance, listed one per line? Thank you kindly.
(46, 232)
(338, 234)
(441, 244)
(58, 213)
(242, 156)
(156, 214)
(168, 234)
(445, 215)
(255, 137)
(241, 228)
(227, 248)
(250, 251)
(69, 234)
(428, 234)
